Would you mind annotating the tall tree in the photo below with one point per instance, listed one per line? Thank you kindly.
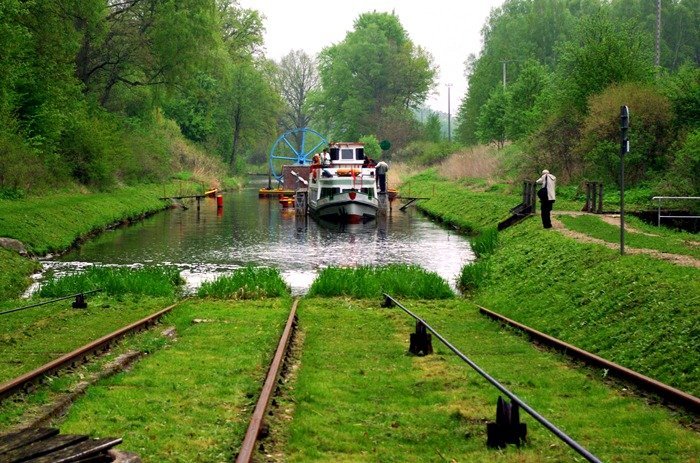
(296, 78)
(374, 74)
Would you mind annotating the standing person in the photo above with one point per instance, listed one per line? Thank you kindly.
(547, 196)
(381, 169)
(326, 157)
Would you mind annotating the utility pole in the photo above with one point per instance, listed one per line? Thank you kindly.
(657, 60)
(449, 116)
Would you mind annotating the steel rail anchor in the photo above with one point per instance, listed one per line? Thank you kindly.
(532, 412)
(245, 455)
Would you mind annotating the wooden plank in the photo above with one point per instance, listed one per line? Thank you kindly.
(41, 447)
(78, 452)
(15, 440)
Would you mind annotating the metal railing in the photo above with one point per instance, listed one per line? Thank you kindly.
(661, 198)
(542, 420)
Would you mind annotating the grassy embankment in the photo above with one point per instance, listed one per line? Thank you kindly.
(635, 310)
(50, 224)
(358, 396)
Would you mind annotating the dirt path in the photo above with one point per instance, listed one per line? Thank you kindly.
(678, 259)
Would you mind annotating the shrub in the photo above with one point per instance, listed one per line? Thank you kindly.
(650, 133)
(149, 281)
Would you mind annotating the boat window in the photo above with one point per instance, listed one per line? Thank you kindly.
(347, 153)
(335, 154)
(325, 192)
(360, 153)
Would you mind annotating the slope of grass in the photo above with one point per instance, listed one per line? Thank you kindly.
(635, 310)
(14, 273)
(54, 223)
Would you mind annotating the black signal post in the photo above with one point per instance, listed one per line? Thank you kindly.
(624, 149)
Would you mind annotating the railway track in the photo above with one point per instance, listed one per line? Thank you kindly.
(248, 446)
(27, 380)
(666, 392)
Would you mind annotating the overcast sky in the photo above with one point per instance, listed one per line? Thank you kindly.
(449, 29)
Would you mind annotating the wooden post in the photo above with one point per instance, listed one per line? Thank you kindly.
(600, 199)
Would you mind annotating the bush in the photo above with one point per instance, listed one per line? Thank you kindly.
(650, 133)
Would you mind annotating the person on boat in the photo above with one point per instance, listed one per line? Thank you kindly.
(315, 164)
(326, 157)
(381, 168)
(547, 196)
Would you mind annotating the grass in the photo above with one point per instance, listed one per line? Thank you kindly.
(664, 240)
(399, 280)
(246, 283)
(14, 273)
(150, 281)
(359, 397)
(191, 401)
(634, 310)
(33, 337)
(54, 223)
(468, 210)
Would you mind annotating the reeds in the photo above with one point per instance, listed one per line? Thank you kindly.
(477, 162)
(485, 242)
(399, 280)
(246, 283)
(149, 281)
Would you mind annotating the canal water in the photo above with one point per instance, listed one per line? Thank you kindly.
(208, 241)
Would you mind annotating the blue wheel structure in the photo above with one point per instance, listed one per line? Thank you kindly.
(297, 147)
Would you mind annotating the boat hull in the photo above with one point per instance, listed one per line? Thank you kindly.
(343, 209)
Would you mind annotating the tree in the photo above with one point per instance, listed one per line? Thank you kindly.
(603, 52)
(433, 127)
(492, 120)
(296, 78)
(375, 68)
(650, 135)
(527, 100)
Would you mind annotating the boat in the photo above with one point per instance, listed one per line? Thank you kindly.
(346, 189)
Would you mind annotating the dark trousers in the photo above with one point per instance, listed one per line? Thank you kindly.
(546, 208)
(382, 182)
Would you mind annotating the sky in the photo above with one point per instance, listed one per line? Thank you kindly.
(449, 29)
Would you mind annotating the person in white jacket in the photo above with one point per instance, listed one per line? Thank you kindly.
(547, 195)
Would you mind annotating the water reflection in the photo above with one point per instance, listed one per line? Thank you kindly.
(206, 241)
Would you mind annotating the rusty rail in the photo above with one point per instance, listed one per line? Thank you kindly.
(101, 344)
(251, 436)
(672, 394)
